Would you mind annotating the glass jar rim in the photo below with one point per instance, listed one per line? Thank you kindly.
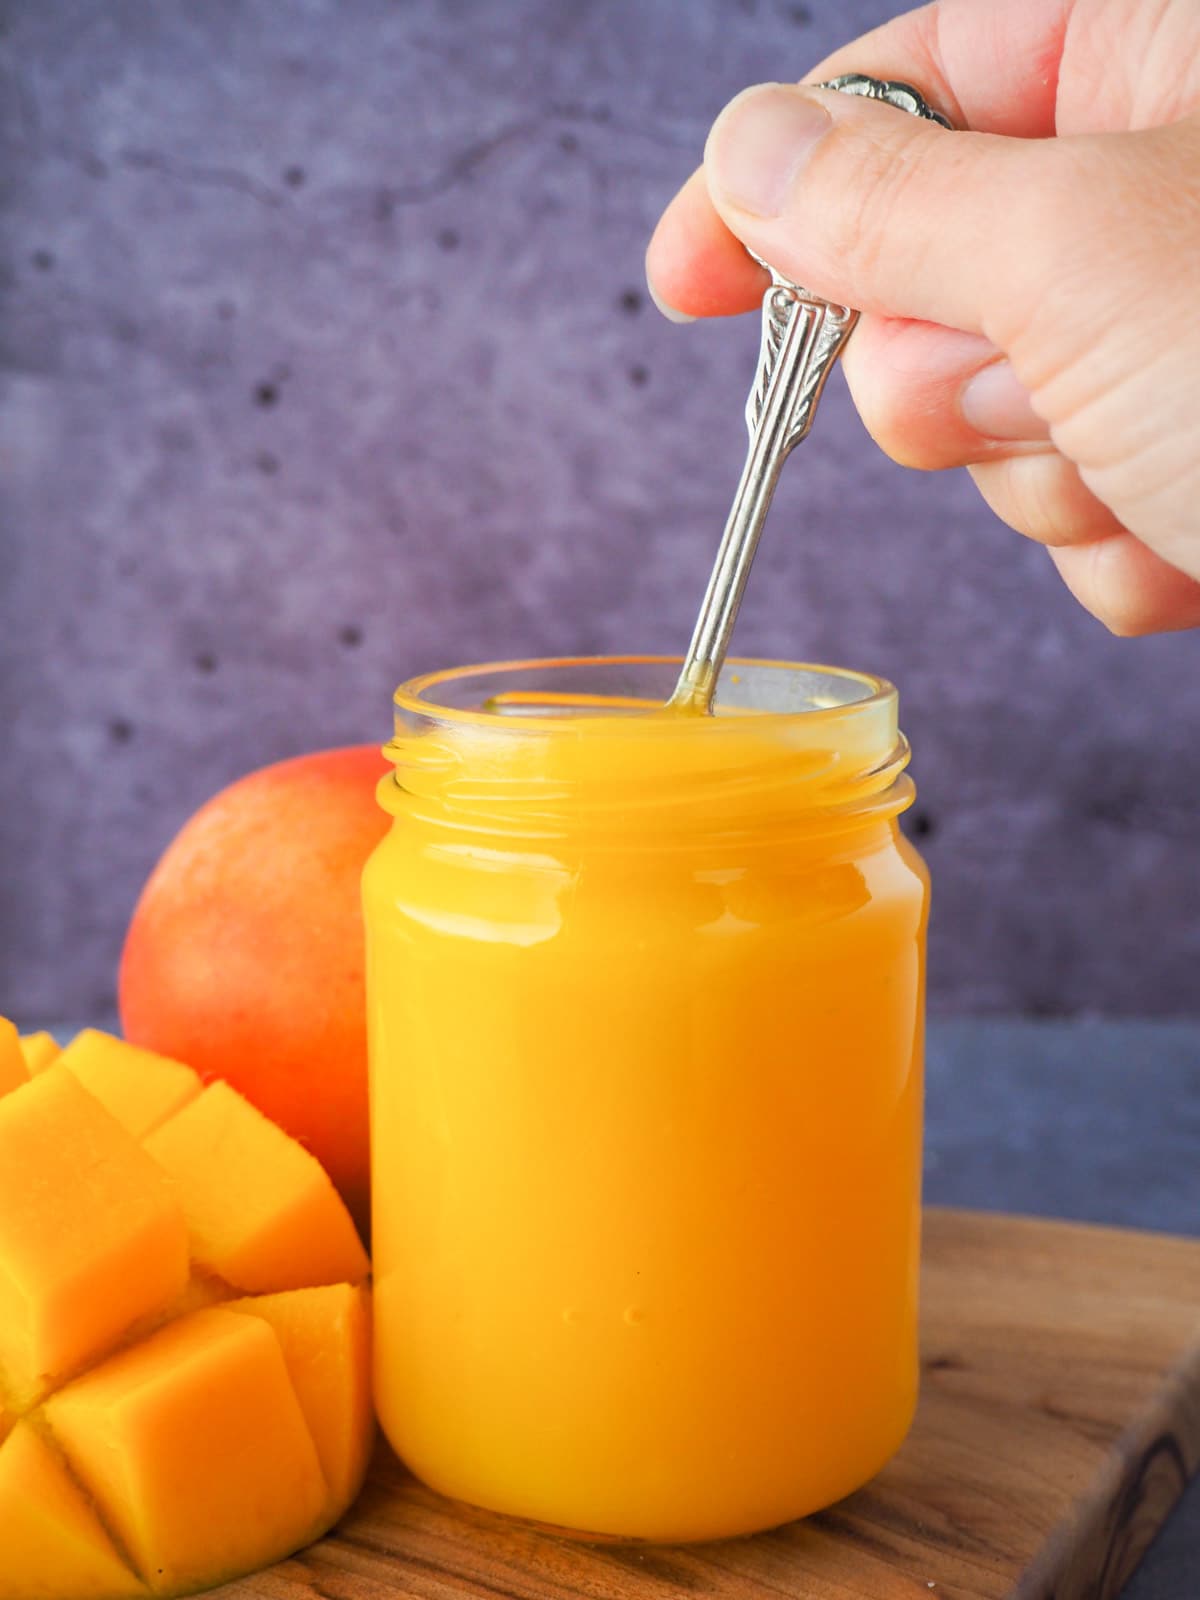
(832, 692)
(525, 744)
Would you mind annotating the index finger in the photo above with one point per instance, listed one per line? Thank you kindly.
(990, 65)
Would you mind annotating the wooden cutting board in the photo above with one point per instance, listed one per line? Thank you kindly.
(1059, 1422)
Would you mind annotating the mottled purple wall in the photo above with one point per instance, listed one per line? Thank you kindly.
(326, 358)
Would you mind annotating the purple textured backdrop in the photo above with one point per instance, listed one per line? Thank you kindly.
(326, 358)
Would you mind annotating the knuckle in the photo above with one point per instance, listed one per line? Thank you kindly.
(876, 182)
(1033, 489)
(1041, 495)
(1087, 224)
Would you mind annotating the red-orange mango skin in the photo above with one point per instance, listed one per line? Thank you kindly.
(244, 956)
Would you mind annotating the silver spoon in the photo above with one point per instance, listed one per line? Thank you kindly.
(802, 337)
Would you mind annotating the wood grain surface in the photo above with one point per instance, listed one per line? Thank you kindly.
(1059, 1421)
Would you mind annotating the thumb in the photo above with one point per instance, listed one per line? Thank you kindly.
(890, 213)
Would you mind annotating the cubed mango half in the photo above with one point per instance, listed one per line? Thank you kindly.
(160, 1430)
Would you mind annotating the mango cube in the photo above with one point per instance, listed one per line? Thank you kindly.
(205, 1423)
(140, 1088)
(52, 1541)
(39, 1050)
(159, 1436)
(13, 1069)
(92, 1238)
(325, 1336)
(276, 1222)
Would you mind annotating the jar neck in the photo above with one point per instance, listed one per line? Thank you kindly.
(547, 768)
(547, 748)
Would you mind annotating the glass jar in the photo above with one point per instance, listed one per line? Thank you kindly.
(645, 996)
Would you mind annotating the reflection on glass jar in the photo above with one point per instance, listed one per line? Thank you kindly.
(646, 1001)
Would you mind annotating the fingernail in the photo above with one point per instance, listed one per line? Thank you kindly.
(996, 404)
(668, 311)
(759, 143)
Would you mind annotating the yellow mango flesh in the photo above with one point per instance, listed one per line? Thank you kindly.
(282, 1226)
(325, 1336)
(219, 1472)
(91, 1237)
(147, 1446)
(39, 1050)
(52, 1541)
(141, 1089)
(13, 1069)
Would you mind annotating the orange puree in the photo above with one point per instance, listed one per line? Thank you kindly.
(645, 998)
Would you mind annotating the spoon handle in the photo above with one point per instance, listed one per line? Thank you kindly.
(802, 337)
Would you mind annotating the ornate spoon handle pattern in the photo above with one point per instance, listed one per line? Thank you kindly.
(802, 337)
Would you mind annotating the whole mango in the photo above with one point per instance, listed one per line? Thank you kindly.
(244, 956)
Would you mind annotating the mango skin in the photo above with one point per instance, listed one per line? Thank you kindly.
(244, 956)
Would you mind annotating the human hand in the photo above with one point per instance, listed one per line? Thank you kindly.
(1030, 289)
